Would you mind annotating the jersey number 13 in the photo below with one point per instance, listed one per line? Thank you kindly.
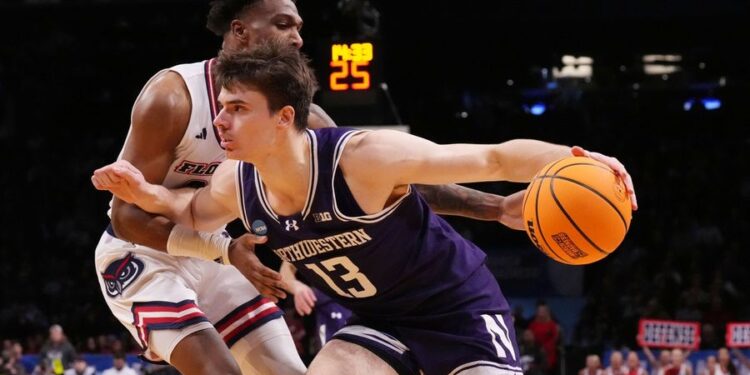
(365, 287)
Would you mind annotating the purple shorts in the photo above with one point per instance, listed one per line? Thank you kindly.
(466, 330)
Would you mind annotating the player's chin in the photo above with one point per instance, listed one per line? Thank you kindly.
(231, 153)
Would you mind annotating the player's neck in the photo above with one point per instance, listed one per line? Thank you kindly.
(286, 173)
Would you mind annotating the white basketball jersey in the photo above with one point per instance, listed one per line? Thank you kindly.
(199, 152)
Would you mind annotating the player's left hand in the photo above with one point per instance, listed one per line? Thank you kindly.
(304, 298)
(122, 179)
(242, 256)
(616, 166)
(511, 211)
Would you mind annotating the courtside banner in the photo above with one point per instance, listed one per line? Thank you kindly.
(738, 335)
(669, 334)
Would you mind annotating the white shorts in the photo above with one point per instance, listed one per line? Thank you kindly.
(150, 291)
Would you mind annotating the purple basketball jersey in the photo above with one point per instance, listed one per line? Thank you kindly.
(404, 266)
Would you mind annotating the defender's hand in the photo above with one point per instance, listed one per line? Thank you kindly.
(242, 256)
(304, 298)
(511, 211)
(121, 179)
(616, 166)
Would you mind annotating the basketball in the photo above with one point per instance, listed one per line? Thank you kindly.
(576, 210)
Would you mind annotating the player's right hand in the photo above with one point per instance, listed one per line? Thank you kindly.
(511, 211)
(242, 256)
(304, 298)
(122, 179)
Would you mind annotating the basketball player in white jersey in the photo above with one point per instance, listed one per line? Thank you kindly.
(160, 279)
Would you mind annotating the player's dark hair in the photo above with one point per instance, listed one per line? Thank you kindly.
(276, 69)
(222, 12)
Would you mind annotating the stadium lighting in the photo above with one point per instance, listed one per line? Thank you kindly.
(711, 104)
(538, 109)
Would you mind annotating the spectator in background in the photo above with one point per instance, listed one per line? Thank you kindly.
(658, 367)
(156, 369)
(680, 365)
(724, 353)
(616, 365)
(120, 367)
(10, 364)
(546, 333)
(712, 367)
(533, 359)
(90, 346)
(519, 322)
(634, 365)
(593, 366)
(43, 368)
(57, 350)
(80, 367)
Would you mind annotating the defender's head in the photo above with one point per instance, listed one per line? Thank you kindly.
(265, 93)
(245, 23)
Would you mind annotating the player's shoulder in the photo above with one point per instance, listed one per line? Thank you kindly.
(164, 99)
(164, 88)
(226, 168)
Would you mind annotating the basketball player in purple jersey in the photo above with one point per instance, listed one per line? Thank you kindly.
(339, 205)
(159, 279)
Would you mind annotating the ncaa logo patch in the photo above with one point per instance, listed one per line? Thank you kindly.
(259, 227)
(121, 273)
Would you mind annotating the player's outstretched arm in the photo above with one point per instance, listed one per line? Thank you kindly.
(450, 199)
(207, 208)
(386, 160)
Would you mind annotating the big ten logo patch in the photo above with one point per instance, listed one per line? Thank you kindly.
(321, 217)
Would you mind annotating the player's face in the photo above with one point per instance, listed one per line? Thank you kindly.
(245, 124)
(273, 19)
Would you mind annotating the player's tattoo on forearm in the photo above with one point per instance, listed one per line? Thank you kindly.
(461, 201)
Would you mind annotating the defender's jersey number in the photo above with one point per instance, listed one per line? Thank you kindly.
(365, 287)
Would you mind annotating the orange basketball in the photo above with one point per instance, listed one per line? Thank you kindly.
(576, 210)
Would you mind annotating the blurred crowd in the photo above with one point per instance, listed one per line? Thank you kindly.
(670, 362)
